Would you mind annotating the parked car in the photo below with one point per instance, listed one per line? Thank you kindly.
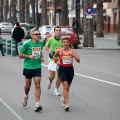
(66, 31)
(23, 26)
(44, 30)
(6, 27)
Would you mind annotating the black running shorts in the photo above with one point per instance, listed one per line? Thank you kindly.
(29, 73)
(66, 74)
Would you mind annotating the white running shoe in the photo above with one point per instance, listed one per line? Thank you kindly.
(38, 107)
(24, 100)
(49, 84)
(56, 93)
(66, 108)
(62, 100)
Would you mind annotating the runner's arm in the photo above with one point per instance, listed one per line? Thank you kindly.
(75, 55)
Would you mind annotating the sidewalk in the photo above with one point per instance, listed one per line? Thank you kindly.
(108, 42)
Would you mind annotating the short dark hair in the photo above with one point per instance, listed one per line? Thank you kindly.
(17, 24)
(57, 27)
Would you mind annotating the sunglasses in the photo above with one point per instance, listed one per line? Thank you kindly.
(37, 34)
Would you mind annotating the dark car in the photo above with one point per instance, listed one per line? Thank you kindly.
(66, 31)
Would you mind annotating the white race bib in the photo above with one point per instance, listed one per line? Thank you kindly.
(67, 59)
(36, 51)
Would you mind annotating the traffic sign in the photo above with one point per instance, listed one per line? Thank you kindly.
(89, 10)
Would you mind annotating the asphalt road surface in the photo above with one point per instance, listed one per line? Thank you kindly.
(94, 93)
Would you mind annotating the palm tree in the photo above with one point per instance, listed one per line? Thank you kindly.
(44, 20)
(1, 10)
(65, 20)
(88, 27)
(32, 2)
(118, 22)
(22, 11)
(13, 6)
(90, 31)
(5, 9)
(85, 22)
(78, 15)
(55, 8)
(27, 10)
(99, 19)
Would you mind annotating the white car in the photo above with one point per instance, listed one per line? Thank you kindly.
(44, 30)
(22, 25)
(6, 27)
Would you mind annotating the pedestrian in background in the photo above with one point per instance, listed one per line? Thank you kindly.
(75, 26)
(1, 45)
(31, 51)
(51, 46)
(94, 26)
(66, 70)
(18, 35)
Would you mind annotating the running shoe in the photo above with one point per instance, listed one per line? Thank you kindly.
(56, 93)
(49, 84)
(62, 100)
(24, 100)
(38, 108)
(66, 108)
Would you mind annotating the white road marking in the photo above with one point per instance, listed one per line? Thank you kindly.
(96, 79)
(10, 109)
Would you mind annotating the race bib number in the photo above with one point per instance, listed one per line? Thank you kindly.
(36, 51)
(67, 59)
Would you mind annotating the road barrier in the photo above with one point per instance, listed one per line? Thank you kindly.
(19, 46)
(13, 48)
(9, 47)
(4, 45)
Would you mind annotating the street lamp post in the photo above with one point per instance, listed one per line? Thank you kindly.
(37, 13)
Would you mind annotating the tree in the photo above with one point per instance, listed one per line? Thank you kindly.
(78, 15)
(55, 9)
(5, 9)
(44, 20)
(88, 27)
(118, 22)
(13, 6)
(32, 2)
(65, 20)
(1, 10)
(99, 19)
(27, 4)
(85, 22)
(22, 11)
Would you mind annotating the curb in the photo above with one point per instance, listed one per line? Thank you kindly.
(97, 48)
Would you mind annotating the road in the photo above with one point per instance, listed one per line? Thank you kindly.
(94, 93)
